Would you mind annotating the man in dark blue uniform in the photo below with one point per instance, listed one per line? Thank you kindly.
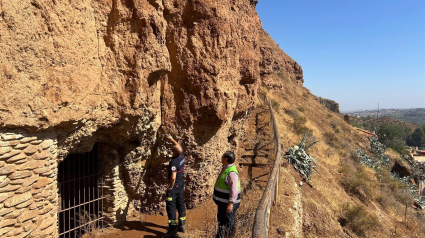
(175, 189)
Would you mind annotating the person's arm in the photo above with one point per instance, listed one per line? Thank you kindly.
(172, 180)
(170, 138)
(232, 183)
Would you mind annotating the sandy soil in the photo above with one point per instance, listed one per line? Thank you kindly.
(143, 225)
(419, 158)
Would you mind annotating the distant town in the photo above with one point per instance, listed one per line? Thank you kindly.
(412, 115)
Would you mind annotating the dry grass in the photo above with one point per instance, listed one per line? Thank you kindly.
(299, 125)
(336, 166)
(92, 228)
(331, 139)
(358, 219)
(392, 195)
(357, 180)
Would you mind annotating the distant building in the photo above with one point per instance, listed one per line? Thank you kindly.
(347, 118)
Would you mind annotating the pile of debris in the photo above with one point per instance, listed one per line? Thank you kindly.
(302, 161)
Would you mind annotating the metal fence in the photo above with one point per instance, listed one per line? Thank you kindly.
(81, 196)
(262, 215)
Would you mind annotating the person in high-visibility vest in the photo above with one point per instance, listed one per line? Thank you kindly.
(227, 195)
(174, 195)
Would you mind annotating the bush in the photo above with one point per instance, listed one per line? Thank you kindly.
(393, 194)
(291, 113)
(275, 105)
(331, 139)
(358, 219)
(301, 109)
(393, 136)
(356, 180)
(417, 138)
(299, 125)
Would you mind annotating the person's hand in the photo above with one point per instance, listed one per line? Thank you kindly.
(229, 208)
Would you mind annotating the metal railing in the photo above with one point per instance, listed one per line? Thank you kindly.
(262, 215)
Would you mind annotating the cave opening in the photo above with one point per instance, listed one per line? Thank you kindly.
(80, 194)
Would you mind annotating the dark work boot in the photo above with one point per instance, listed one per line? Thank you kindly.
(181, 227)
(172, 231)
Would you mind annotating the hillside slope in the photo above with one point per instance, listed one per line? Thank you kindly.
(324, 203)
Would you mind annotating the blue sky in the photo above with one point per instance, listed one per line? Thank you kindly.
(355, 52)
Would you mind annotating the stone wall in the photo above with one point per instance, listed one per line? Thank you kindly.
(116, 198)
(28, 185)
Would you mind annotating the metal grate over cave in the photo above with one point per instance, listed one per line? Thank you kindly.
(80, 195)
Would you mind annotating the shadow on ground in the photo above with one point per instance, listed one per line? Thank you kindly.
(143, 226)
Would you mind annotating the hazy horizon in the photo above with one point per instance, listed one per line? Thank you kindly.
(374, 109)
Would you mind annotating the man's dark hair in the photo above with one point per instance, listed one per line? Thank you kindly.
(230, 157)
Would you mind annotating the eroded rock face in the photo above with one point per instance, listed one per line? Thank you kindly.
(125, 72)
(328, 103)
(275, 62)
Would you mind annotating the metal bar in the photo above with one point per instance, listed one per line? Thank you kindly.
(88, 223)
(75, 161)
(79, 205)
(89, 158)
(101, 189)
(69, 192)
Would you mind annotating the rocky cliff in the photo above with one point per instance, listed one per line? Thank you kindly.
(126, 72)
(329, 104)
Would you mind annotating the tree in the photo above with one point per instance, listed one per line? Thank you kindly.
(417, 138)
(392, 136)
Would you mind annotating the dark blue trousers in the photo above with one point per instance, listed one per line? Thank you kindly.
(174, 199)
(226, 221)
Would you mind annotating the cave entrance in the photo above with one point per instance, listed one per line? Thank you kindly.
(80, 194)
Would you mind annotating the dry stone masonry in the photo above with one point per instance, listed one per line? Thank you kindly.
(28, 186)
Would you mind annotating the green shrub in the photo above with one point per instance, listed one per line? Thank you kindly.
(329, 115)
(301, 109)
(358, 219)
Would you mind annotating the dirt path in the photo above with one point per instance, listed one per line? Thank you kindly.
(143, 225)
(254, 166)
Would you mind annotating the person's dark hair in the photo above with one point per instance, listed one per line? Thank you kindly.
(177, 150)
(230, 157)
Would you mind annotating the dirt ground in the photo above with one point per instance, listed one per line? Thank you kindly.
(143, 225)
(419, 158)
